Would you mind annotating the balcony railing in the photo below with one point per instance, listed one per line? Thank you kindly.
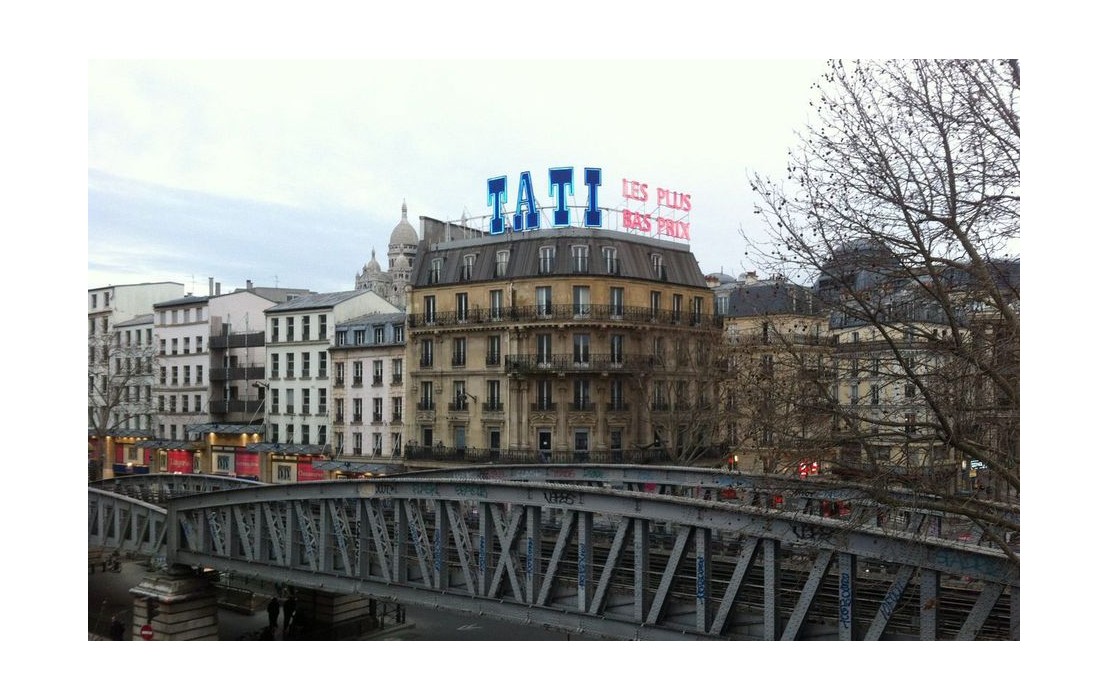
(237, 340)
(542, 364)
(565, 312)
(222, 374)
(492, 406)
(474, 455)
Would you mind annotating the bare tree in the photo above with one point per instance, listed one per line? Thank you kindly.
(902, 208)
(119, 390)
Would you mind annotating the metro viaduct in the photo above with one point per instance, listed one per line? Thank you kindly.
(610, 562)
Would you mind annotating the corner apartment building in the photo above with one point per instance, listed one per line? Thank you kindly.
(556, 344)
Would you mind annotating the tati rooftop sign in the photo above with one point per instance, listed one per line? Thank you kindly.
(636, 195)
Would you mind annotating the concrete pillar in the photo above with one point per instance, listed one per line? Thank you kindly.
(185, 602)
(335, 616)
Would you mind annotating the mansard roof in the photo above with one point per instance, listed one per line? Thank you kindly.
(633, 253)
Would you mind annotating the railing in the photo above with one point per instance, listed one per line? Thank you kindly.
(475, 455)
(565, 312)
(237, 340)
(236, 406)
(540, 364)
(220, 374)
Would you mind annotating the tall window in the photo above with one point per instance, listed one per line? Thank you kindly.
(581, 300)
(305, 364)
(340, 375)
(398, 405)
(321, 364)
(323, 327)
(612, 265)
(581, 348)
(493, 394)
(579, 256)
(436, 271)
(496, 303)
(429, 309)
(493, 351)
(616, 348)
(377, 409)
(379, 335)
(378, 372)
(306, 328)
(616, 394)
(357, 417)
(546, 260)
(305, 401)
(340, 414)
(616, 302)
(357, 373)
(427, 352)
(290, 365)
(543, 348)
(656, 304)
(543, 394)
(501, 269)
(581, 395)
(398, 370)
(657, 267)
(426, 393)
(458, 357)
(676, 308)
(543, 301)
(466, 272)
(460, 396)
(461, 306)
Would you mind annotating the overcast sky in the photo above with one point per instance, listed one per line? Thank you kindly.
(290, 172)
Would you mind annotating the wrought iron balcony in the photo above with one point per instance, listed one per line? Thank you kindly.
(543, 364)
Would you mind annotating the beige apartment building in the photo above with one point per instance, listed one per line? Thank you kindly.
(560, 344)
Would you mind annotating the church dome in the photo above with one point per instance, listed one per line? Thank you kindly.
(403, 233)
(373, 265)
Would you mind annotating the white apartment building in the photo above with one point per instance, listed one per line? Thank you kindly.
(120, 365)
(299, 336)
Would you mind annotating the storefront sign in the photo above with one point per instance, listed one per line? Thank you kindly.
(305, 471)
(179, 462)
(246, 464)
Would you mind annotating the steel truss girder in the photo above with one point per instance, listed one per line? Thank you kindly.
(560, 552)
(124, 523)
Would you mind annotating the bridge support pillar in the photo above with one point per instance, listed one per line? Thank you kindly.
(337, 616)
(179, 605)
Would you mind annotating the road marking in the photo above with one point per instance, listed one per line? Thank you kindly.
(468, 628)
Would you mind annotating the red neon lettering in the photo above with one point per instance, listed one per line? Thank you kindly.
(635, 190)
(673, 200)
(637, 222)
(674, 229)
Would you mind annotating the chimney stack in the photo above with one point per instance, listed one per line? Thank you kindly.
(217, 289)
(209, 286)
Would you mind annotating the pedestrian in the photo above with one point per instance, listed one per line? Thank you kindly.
(290, 611)
(273, 608)
(117, 629)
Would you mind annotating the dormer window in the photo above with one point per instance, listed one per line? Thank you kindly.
(436, 271)
(546, 260)
(466, 273)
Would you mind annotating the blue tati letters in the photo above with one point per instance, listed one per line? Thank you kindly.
(526, 197)
(561, 178)
(561, 187)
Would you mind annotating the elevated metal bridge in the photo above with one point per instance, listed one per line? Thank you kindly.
(622, 552)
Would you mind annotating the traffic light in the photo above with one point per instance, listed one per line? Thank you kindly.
(151, 609)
